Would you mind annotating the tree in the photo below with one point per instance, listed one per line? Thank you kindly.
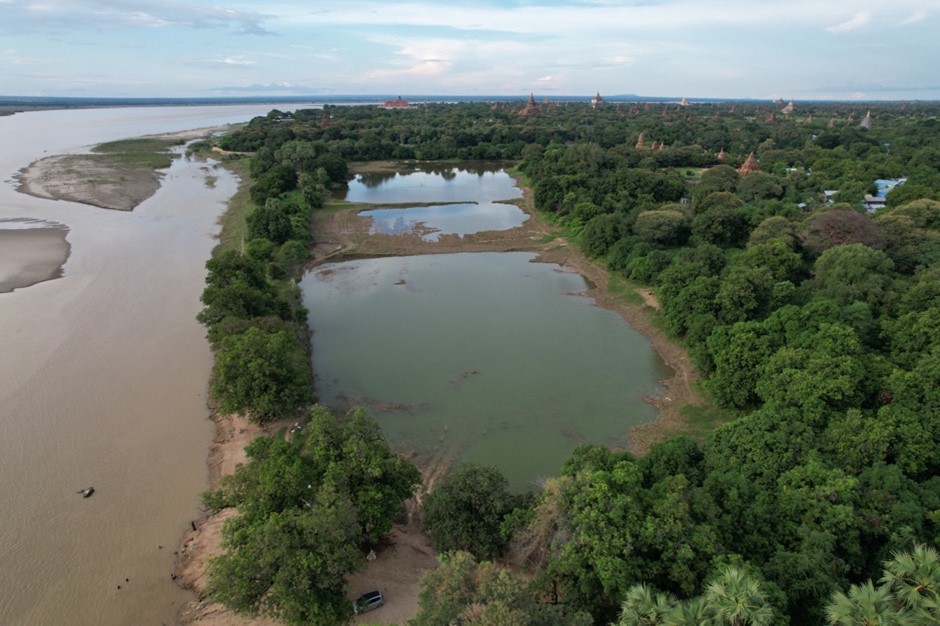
(462, 591)
(839, 227)
(265, 375)
(643, 606)
(466, 510)
(306, 507)
(854, 273)
(662, 227)
(864, 605)
(735, 598)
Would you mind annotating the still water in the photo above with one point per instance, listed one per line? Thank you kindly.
(488, 357)
(103, 376)
(473, 196)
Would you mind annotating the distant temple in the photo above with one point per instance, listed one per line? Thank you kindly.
(324, 121)
(597, 101)
(530, 107)
(750, 166)
(772, 118)
(721, 156)
(684, 103)
(866, 122)
(395, 104)
(640, 141)
(779, 103)
(787, 110)
(832, 123)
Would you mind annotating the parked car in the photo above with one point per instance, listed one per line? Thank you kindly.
(368, 601)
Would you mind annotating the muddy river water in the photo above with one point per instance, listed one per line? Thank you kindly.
(485, 357)
(103, 375)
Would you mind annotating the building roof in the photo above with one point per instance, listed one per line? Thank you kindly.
(395, 104)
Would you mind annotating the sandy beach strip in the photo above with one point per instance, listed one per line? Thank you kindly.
(31, 255)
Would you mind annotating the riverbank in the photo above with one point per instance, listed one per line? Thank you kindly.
(31, 255)
(117, 175)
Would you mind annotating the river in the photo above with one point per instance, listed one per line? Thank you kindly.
(103, 378)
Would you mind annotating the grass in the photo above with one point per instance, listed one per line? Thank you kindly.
(699, 420)
(137, 145)
(623, 289)
(234, 226)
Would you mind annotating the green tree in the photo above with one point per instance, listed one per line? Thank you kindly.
(735, 598)
(462, 591)
(264, 375)
(466, 510)
(306, 507)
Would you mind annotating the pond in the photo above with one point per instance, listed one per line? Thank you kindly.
(454, 201)
(486, 357)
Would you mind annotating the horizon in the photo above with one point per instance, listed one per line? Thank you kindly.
(801, 50)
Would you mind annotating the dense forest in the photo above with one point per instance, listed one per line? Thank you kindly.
(811, 315)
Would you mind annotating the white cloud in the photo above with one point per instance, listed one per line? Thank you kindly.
(917, 16)
(856, 21)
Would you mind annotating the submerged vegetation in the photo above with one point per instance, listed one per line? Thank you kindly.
(812, 321)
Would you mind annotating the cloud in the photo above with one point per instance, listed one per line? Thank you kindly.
(80, 15)
(917, 16)
(269, 88)
(856, 21)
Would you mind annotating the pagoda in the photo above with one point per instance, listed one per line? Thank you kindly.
(398, 103)
(640, 141)
(772, 118)
(787, 110)
(866, 122)
(597, 101)
(530, 107)
(324, 121)
(684, 103)
(749, 167)
(721, 156)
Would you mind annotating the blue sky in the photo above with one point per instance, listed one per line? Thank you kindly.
(794, 49)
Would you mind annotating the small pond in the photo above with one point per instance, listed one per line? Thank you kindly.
(453, 201)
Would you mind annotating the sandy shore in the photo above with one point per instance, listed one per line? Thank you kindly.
(96, 179)
(31, 255)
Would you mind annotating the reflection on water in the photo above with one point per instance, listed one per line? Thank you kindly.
(427, 184)
(449, 219)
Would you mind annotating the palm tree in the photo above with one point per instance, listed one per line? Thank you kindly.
(643, 606)
(914, 579)
(735, 598)
(865, 605)
(692, 612)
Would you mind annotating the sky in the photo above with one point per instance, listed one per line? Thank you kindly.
(791, 49)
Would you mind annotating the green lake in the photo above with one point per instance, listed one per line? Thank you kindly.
(485, 357)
